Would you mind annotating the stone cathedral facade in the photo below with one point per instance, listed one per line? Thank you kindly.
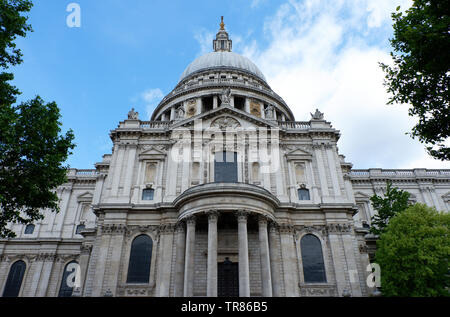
(222, 193)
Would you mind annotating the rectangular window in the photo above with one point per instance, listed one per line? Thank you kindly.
(147, 194)
(225, 167)
(303, 194)
(79, 229)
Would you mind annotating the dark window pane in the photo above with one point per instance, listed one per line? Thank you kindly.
(80, 228)
(29, 229)
(140, 259)
(147, 194)
(225, 167)
(312, 257)
(68, 279)
(14, 280)
(303, 194)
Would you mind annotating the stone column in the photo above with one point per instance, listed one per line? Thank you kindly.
(49, 260)
(104, 238)
(275, 260)
(166, 243)
(211, 288)
(113, 257)
(266, 275)
(85, 255)
(244, 272)
(179, 264)
(36, 268)
(215, 102)
(189, 258)
(132, 150)
(117, 170)
(247, 105)
(289, 258)
(317, 148)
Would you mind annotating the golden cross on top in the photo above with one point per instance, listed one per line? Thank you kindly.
(222, 25)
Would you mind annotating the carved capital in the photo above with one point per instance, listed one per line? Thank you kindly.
(286, 228)
(114, 229)
(191, 220)
(312, 229)
(45, 257)
(339, 228)
(263, 220)
(213, 215)
(242, 215)
(180, 227)
(167, 228)
(86, 249)
(273, 227)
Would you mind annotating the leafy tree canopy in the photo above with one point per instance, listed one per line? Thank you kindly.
(393, 202)
(32, 150)
(413, 253)
(420, 74)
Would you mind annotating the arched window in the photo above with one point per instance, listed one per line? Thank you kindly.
(303, 194)
(140, 260)
(225, 167)
(15, 278)
(312, 258)
(68, 279)
(29, 229)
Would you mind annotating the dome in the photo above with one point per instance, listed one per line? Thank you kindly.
(225, 60)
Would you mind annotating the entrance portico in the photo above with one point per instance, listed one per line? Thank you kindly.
(228, 227)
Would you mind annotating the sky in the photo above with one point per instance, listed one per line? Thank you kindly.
(320, 54)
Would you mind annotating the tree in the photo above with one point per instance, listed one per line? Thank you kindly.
(32, 151)
(420, 74)
(394, 201)
(413, 253)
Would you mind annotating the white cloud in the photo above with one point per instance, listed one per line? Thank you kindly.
(205, 39)
(255, 3)
(321, 55)
(151, 97)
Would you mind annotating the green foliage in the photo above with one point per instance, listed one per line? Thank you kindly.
(32, 150)
(413, 253)
(420, 75)
(394, 201)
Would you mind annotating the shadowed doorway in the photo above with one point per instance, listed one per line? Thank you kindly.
(228, 279)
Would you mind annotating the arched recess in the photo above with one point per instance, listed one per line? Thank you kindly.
(15, 278)
(68, 279)
(140, 260)
(312, 259)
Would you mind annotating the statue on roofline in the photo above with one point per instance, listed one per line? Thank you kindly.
(133, 115)
(317, 115)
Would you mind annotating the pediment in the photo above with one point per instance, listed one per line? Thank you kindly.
(361, 196)
(446, 197)
(152, 152)
(225, 111)
(85, 197)
(298, 154)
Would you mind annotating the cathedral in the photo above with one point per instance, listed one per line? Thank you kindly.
(222, 193)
